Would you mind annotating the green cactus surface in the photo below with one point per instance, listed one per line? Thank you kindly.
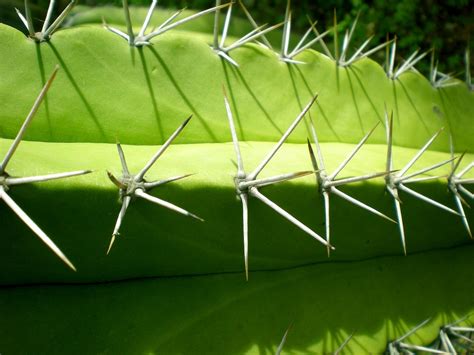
(171, 284)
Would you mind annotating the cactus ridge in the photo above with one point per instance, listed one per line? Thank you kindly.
(327, 184)
(163, 75)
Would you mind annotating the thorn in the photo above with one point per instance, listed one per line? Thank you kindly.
(254, 192)
(313, 157)
(327, 220)
(245, 218)
(34, 227)
(151, 185)
(352, 154)
(419, 154)
(254, 24)
(112, 242)
(115, 181)
(360, 204)
(426, 199)
(235, 140)
(28, 119)
(29, 20)
(163, 203)
(274, 179)
(141, 174)
(41, 178)
(414, 329)
(338, 351)
(398, 211)
(182, 21)
(147, 18)
(336, 42)
(283, 340)
(125, 203)
(270, 155)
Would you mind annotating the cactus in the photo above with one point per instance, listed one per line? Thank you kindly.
(353, 225)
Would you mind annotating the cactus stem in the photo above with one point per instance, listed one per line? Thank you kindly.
(135, 186)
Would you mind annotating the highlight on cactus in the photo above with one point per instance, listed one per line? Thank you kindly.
(280, 118)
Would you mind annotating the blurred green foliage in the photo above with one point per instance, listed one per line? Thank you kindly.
(443, 25)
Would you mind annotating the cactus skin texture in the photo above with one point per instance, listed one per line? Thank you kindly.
(174, 285)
